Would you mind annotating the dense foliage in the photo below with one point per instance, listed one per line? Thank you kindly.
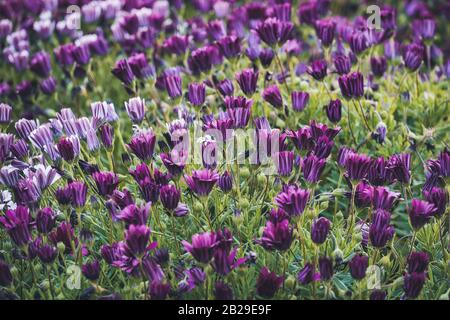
(213, 149)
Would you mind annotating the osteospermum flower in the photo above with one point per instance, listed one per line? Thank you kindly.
(293, 199)
(143, 144)
(420, 213)
(268, 283)
(381, 231)
(201, 182)
(273, 31)
(276, 235)
(202, 247)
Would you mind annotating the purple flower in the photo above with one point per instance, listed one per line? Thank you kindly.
(325, 268)
(277, 235)
(383, 198)
(201, 60)
(202, 247)
(273, 31)
(418, 262)
(399, 167)
(64, 234)
(359, 42)
(320, 229)
(302, 138)
(420, 213)
(318, 69)
(129, 23)
(273, 96)
(357, 166)
(172, 84)
(106, 135)
(325, 31)
(307, 274)
(266, 56)
(312, 168)
(284, 162)
(222, 291)
(106, 182)
(64, 54)
(140, 67)
(143, 144)
(169, 196)
(358, 266)
(81, 54)
(352, 85)
(225, 182)
(91, 270)
(413, 284)
(293, 200)
(230, 46)
(196, 93)
(438, 197)
(159, 290)
(18, 225)
(78, 191)
(47, 253)
(425, 28)
(268, 283)
(342, 64)
(308, 12)
(137, 238)
(5, 113)
(69, 148)
(225, 260)
(48, 86)
(413, 56)
(45, 220)
(377, 294)
(225, 87)
(378, 65)
(135, 108)
(134, 215)
(40, 64)
(379, 135)
(334, 110)
(320, 129)
(247, 80)
(174, 161)
(444, 163)
(176, 44)
(299, 100)
(123, 72)
(201, 182)
(6, 140)
(322, 147)
(380, 231)
(378, 173)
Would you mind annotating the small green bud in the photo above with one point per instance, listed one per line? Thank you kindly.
(290, 283)
(261, 179)
(198, 207)
(14, 271)
(61, 247)
(244, 203)
(339, 216)
(386, 261)
(358, 237)
(244, 172)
